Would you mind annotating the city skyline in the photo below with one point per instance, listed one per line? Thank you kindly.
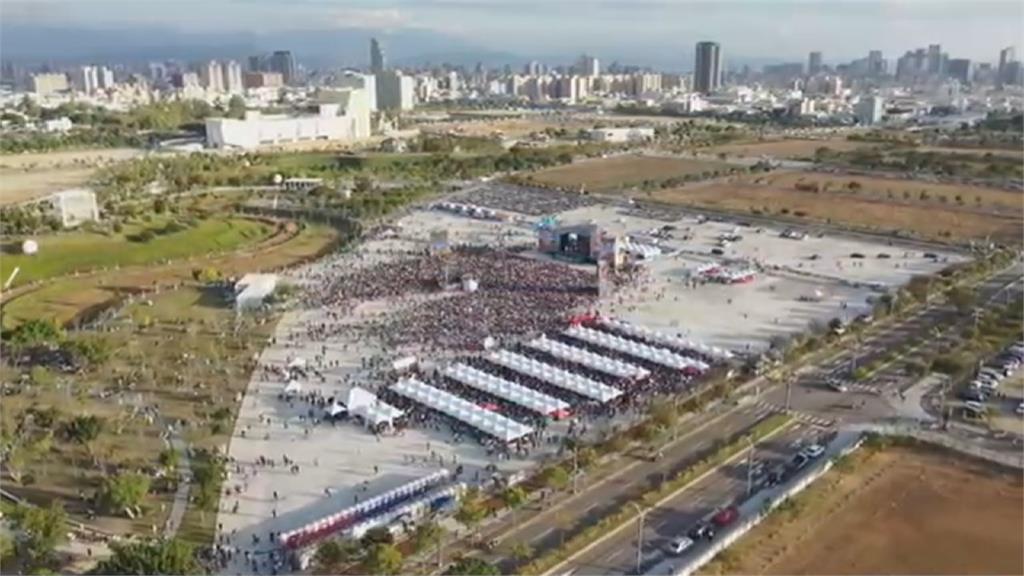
(841, 30)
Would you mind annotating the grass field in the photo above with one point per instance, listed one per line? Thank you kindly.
(879, 204)
(902, 510)
(83, 251)
(605, 174)
(790, 149)
(66, 299)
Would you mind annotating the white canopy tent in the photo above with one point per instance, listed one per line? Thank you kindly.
(666, 339)
(293, 387)
(587, 358)
(491, 423)
(335, 409)
(371, 409)
(520, 395)
(650, 353)
(556, 376)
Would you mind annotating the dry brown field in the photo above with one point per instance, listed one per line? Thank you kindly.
(791, 149)
(901, 510)
(28, 176)
(880, 204)
(617, 172)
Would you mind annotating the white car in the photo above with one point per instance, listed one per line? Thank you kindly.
(813, 451)
(679, 545)
(1020, 409)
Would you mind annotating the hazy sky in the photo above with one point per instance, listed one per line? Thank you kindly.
(842, 29)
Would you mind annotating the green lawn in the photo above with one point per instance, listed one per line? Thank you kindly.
(63, 254)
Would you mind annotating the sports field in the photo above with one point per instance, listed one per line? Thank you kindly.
(929, 210)
(84, 251)
(603, 174)
(905, 510)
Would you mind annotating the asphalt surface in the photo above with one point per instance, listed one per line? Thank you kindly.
(726, 486)
(544, 525)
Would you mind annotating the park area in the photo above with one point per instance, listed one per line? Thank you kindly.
(928, 210)
(894, 510)
(605, 174)
(68, 298)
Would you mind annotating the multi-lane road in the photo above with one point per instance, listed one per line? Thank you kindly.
(724, 487)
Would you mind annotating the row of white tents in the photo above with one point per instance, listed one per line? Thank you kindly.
(510, 391)
(610, 366)
(486, 421)
(650, 353)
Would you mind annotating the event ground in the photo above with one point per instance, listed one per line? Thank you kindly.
(344, 458)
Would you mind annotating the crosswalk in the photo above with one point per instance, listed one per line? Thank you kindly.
(762, 407)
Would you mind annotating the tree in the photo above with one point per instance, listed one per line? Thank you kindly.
(555, 477)
(236, 107)
(384, 559)
(663, 415)
(36, 332)
(124, 492)
(835, 325)
(91, 350)
(919, 287)
(331, 554)
(83, 429)
(521, 551)
(963, 299)
(514, 497)
(472, 567)
(41, 376)
(156, 556)
(43, 529)
(427, 534)
(471, 510)
(169, 459)
(378, 535)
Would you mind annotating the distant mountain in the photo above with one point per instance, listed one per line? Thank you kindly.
(313, 48)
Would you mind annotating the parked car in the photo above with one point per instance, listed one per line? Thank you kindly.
(813, 451)
(799, 461)
(702, 531)
(973, 395)
(679, 545)
(726, 516)
(776, 476)
(856, 255)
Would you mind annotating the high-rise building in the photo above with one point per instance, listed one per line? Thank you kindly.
(283, 63)
(587, 65)
(960, 69)
(533, 68)
(814, 63)
(870, 110)
(365, 82)
(876, 64)
(86, 79)
(934, 59)
(233, 77)
(707, 69)
(105, 78)
(377, 61)
(395, 91)
(212, 76)
(257, 63)
(1007, 56)
(262, 80)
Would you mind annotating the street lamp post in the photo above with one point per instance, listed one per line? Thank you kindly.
(750, 468)
(639, 535)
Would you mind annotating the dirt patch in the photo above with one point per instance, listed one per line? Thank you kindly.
(905, 510)
(791, 149)
(929, 210)
(623, 171)
(26, 177)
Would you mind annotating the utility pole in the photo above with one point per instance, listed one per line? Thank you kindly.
(750, 468)
(575, 468)
(440, 560)
(639, 536)
(789, 392)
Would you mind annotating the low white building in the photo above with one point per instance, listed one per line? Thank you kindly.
(344, 121)
(621, 134)
(72, 207)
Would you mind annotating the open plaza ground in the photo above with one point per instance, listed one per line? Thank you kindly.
(904, 510)
(290, 466)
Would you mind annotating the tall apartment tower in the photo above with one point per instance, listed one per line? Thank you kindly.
(814, 63)
(212, 76)
(233, 77)
(707, 70)
(283, 63)
(377, 61)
